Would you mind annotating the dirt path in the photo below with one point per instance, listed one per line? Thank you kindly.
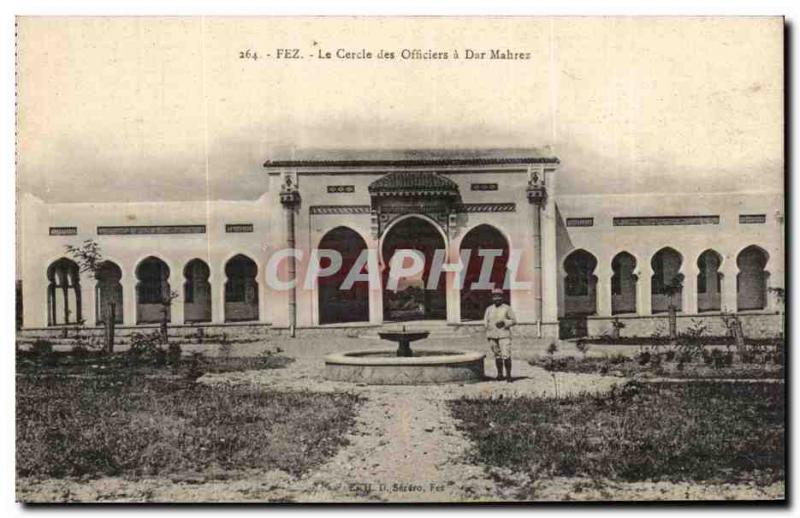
(403, 449)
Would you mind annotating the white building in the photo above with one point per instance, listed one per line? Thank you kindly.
(583, 259)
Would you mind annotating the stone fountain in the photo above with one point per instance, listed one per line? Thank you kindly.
(402, 366)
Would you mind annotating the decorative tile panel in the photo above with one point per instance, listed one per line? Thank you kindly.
(151, 230)
(63, 231)
(335, 189)
(483, 186)
(649, 221)
(487, 207)
(338, 209)
(580, 222)
(235, 228)
(748, 219)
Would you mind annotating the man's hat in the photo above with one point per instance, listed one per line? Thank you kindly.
(497, 292)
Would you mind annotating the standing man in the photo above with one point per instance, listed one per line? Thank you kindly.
(498, 320)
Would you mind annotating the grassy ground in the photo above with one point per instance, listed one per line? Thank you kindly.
(666, 340)
(95, 363)
(135, 421)
(702, 431)
(633, 366)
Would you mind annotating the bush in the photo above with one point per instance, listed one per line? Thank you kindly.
(225, 349)
(146, 348)
(195, 369)
(643, 358)
(42, 347)
(79, 351)
(174, 355)
(42, 351)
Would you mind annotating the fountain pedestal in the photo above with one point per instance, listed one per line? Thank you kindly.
(403, 339)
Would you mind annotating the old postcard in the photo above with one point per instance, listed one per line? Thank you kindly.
(400, 259)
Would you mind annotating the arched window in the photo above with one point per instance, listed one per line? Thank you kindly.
(196, 292)
(108, 292)
(667, 281)
(152, 291)
(337, 304)
(241, 289)
(475, 301)
(709, 281)
(63, 293)
(580, 283)
(751, 282)
(623, 283)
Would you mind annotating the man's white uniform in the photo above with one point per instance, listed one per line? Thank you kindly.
(499, 337)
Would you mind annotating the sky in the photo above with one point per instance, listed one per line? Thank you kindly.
(149, 109)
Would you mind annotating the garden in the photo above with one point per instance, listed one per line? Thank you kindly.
(702, 431)
(88, 413)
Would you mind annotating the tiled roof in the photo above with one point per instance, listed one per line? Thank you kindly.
(413, 183)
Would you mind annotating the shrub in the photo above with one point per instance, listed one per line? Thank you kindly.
(582, 346)
(195, 369)
(695, 330)
(146, 348)
(618, 359)
(79, 351)
(41, 347)
(225, 349)
(174, 355)
(643, 357)
(43, 351)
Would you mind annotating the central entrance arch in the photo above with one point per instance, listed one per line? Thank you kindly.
(413, 300)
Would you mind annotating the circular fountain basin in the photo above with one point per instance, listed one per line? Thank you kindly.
(384, 367)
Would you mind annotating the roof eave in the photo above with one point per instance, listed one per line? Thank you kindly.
(410, 162)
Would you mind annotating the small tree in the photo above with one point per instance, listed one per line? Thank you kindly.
(734, 326)
(672, 289)
(166, 303)
(90, 260)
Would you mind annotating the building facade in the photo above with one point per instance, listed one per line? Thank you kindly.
(569, 264)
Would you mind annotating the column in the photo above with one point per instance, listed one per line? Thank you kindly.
(552, 299)
(376, 302)
(537, 197)
(603, 289)
(176, 285)
(689, 292)
(217, 281)
(290, 199)
(129, 298)
(452, 291)
(263, 302)
(88, 302)
(644, 275)
(729, 274)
